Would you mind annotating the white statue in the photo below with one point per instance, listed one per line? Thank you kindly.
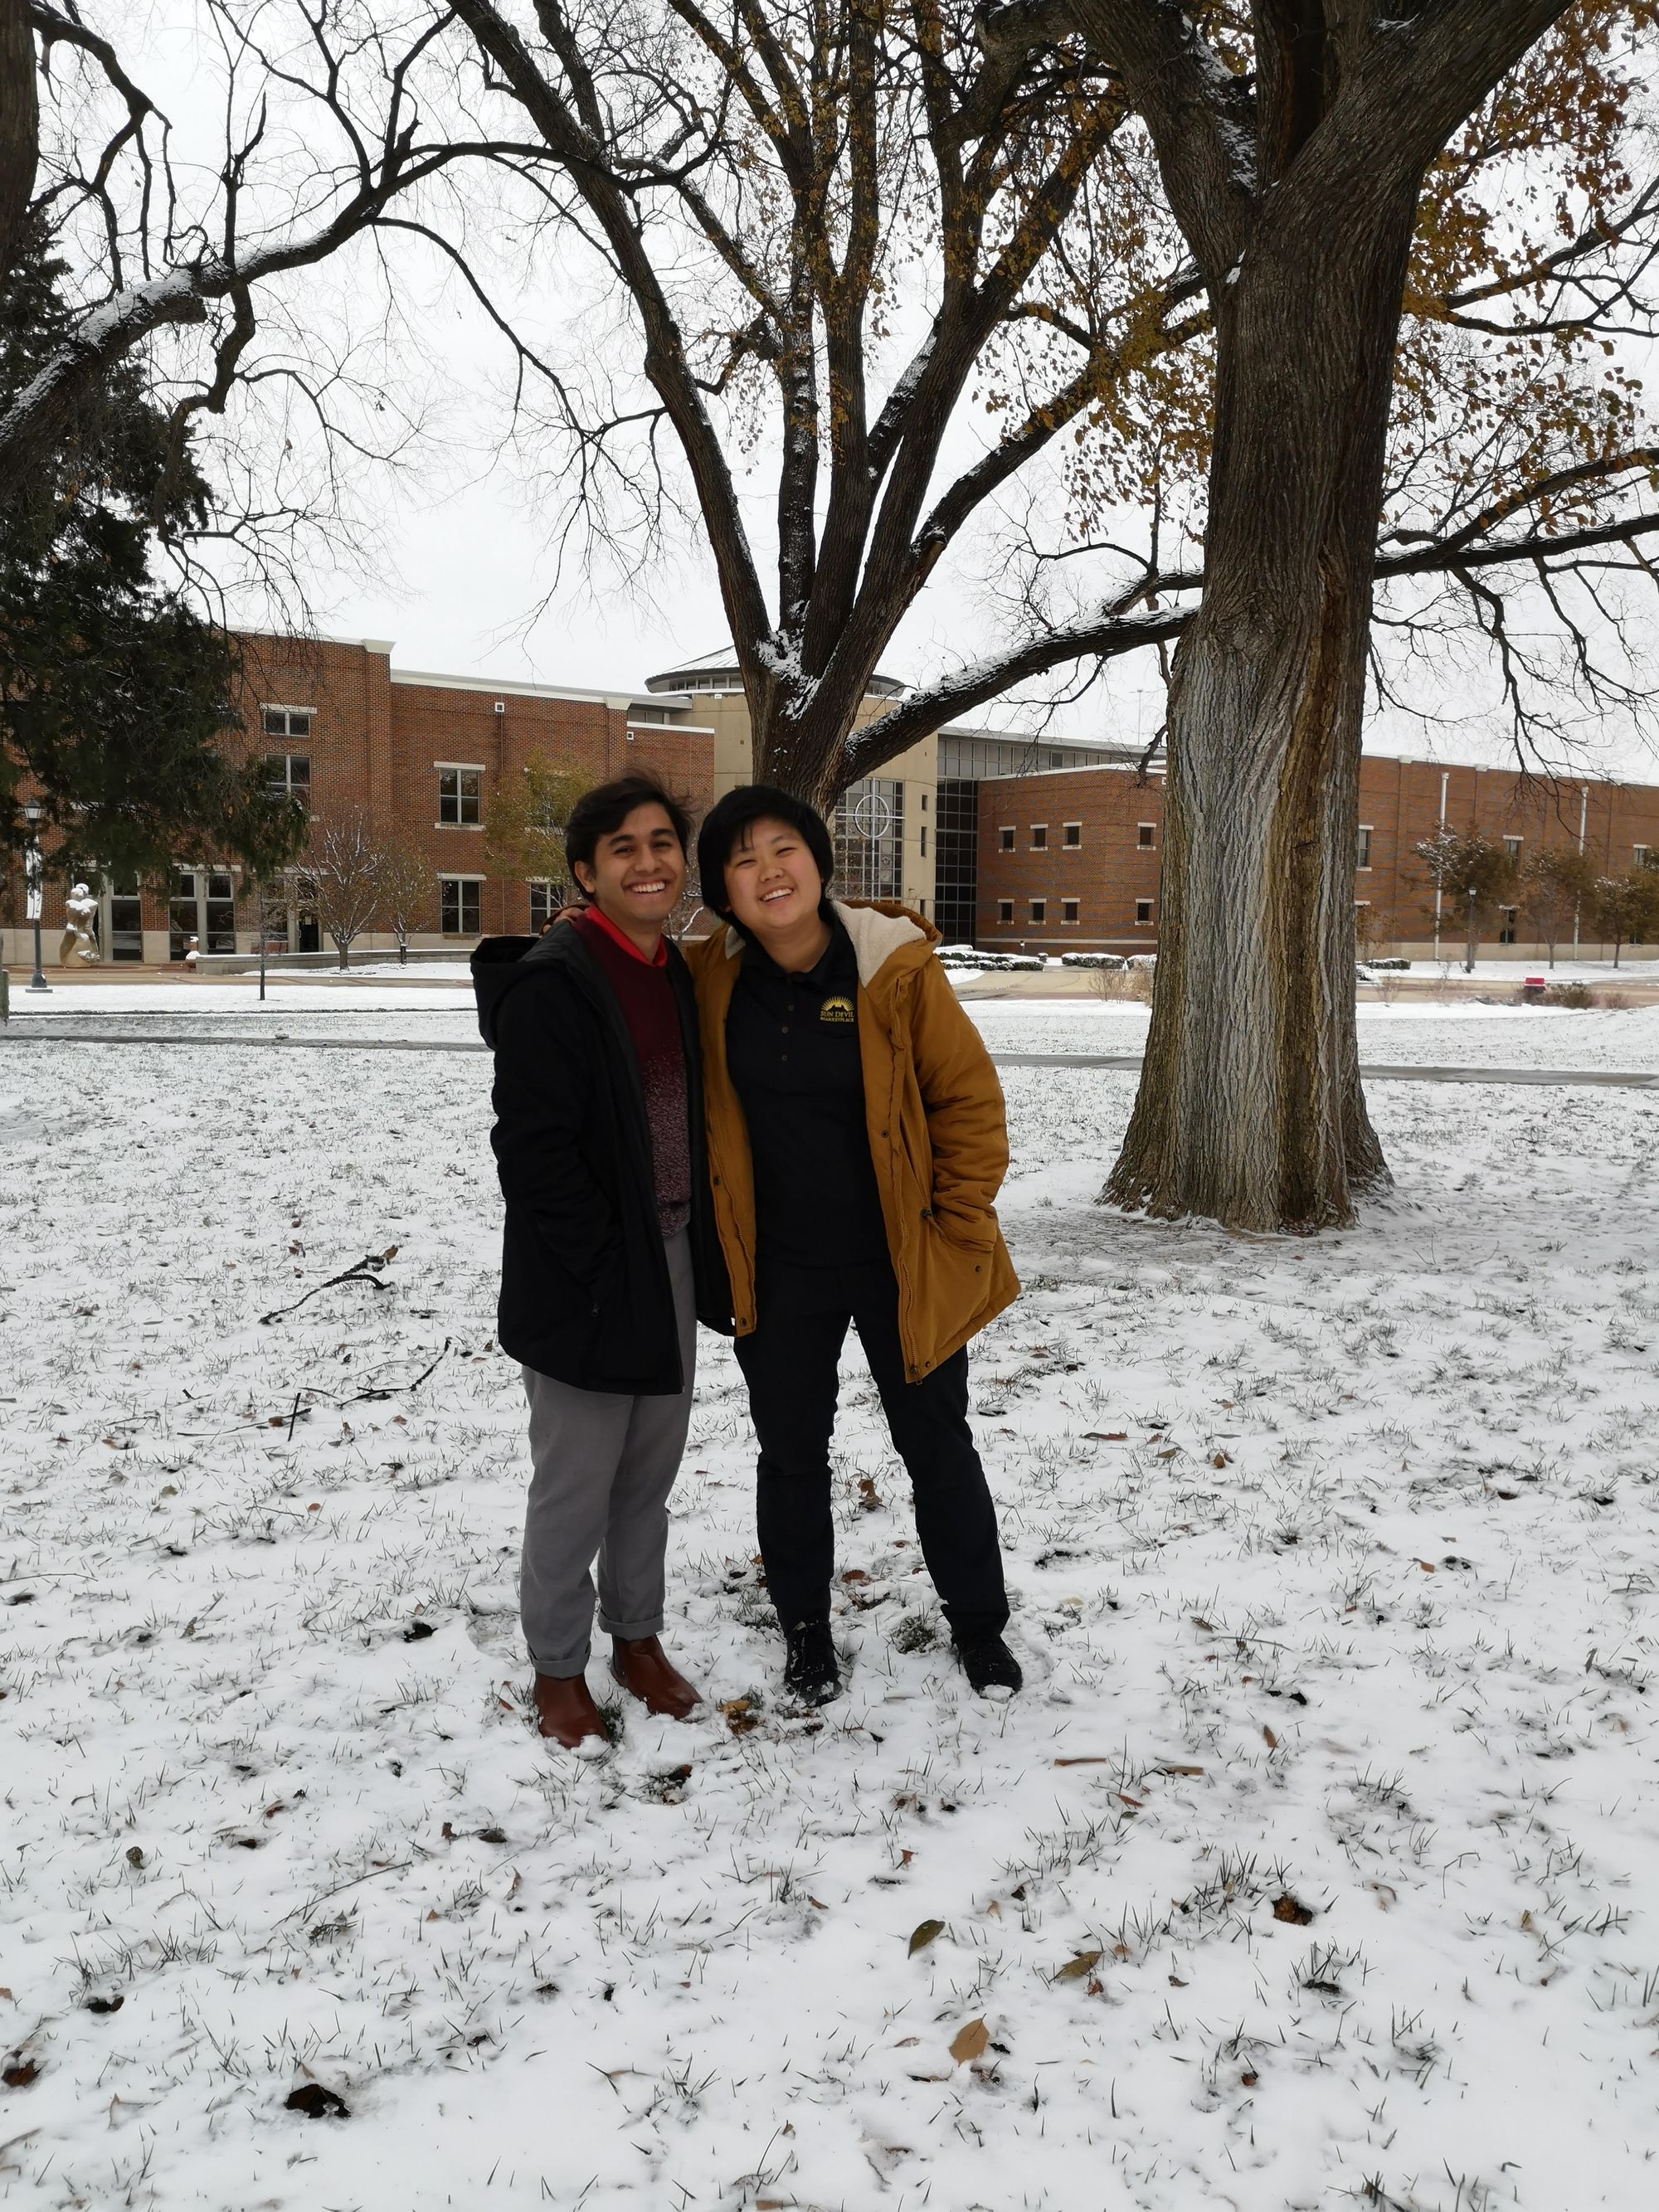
(79, 946)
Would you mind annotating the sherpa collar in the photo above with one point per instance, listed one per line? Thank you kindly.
(878, 931)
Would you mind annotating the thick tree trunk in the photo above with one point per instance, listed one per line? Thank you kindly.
(1250, 1110)
(20, 124)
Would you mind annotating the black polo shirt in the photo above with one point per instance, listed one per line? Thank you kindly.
(792, 1045)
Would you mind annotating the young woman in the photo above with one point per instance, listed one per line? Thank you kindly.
(856, 1143)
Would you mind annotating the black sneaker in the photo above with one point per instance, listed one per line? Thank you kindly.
(989, 1665)
(810, 1673)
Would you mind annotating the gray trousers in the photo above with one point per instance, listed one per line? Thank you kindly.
(604, 1467)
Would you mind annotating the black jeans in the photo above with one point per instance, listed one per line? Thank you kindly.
(791, 1363)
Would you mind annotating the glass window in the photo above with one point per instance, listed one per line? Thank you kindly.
(1073, 834)
(1142, 910)
(1363, 857)
(545, 900)
(1039, 909)
(457, 795)
(460, 905)
(869, 839)
(287, 775)
(1509, 921)
(1068, 910)
(1512, 847)
(1006, 839)
(126, 920)
(1147, 837)
(1005, 909)
(286, 721)
(924, 841)
(1039, 836)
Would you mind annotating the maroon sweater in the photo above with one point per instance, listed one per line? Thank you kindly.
(647, 999)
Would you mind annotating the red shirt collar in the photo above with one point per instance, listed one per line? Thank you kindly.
(593, 914)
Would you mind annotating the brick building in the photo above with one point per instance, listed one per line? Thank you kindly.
(419, 755)
(1069, 860)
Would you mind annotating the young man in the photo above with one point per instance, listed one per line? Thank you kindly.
(609, 1255)
(856, 1143)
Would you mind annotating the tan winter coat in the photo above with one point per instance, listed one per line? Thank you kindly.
(938, 1134)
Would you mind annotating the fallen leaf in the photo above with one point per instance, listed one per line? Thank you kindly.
(317, 2103)
(1291, 1911)
(1221, 1459)
(1249, 2080)
(19, 2078)
(1270, 1738)
(740, 1714)
(855, 1575)
(922, 1935)
(1427, 1567)
(1075, 1969)
(971, 2042)
(1106, 1435)
(1087, 1758)
(135, 1856)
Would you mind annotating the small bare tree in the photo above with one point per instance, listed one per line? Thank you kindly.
(1556, 883)
(408, 886)
(345, 865)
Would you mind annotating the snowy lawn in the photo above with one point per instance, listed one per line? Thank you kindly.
(1317, 1864)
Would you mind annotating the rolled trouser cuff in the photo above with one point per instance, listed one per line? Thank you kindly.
(632, 1631)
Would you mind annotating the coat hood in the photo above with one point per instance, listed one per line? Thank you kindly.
(499, 963)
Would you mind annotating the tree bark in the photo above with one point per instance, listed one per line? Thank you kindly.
(20, 123)
(1250, 1110)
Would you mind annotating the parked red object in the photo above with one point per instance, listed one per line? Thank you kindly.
(1532, 987)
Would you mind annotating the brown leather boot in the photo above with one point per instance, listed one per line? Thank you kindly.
(642, 1668)
(565, 1710)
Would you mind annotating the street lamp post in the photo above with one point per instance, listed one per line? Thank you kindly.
(34, 874)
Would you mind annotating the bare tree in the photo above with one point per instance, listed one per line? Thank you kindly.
(1107, 227)
(346, 866)
(159, 246)
(406, 888)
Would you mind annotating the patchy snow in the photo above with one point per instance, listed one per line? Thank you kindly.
(1334, 1567)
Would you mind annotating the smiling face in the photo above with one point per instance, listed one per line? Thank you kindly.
(772, 882)
(638, 872)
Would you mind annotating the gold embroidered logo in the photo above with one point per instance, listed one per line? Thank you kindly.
(836, 1010)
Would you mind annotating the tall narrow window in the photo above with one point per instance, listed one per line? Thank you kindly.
(1006, 838)
(458, 905)
(1039, 836)
(1073, 836)
(1068, 910)
(1363, 858)
(1005, 909)
(1039, 909)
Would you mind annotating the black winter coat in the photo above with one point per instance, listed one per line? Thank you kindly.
(586, 1296)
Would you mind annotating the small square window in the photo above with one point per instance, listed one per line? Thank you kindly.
(1073, 835)
(1039, 909)
(1147, 837)
(1142, 910)
(1006, 838)
(1363, 858)
(1005, 909)
(1039, 836)
(1068, 910)
(457, 795)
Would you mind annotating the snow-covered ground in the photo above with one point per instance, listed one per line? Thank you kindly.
(1317, 1863)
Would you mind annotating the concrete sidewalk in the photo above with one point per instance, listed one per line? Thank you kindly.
(1115, 1063)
